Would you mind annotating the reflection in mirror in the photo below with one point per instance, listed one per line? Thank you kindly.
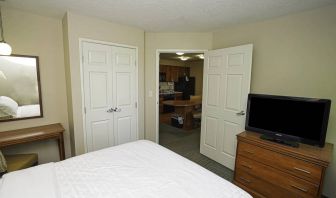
(20, 90)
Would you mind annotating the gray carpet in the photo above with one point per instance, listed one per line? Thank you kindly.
(188, 145)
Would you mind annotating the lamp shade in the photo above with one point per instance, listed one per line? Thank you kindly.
(5, 49)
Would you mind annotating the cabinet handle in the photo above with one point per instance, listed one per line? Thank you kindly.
(302, 170)
(245, 180)
(247, 166)
(299, 188)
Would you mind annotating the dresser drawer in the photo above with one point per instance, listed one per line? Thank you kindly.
(260, 188)
(288, 164)
(281, 180)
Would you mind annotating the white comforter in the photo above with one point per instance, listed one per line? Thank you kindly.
(139, 169)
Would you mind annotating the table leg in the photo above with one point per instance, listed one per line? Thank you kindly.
(61, 147)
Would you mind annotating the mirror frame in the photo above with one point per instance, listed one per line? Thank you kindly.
(38, 83)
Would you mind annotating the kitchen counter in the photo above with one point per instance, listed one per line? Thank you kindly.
(182, 103)
(175, 92)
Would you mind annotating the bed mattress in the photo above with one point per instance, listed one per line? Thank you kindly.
(140, 169)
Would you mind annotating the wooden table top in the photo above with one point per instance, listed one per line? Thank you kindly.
(30, 134)
(182, 103)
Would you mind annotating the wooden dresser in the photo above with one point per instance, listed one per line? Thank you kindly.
(268, 169)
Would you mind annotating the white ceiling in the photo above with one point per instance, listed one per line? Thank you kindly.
(171, 15)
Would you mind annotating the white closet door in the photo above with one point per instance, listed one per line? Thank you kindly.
(110, 95)
(124, 94)
(227, 75)
(97, 69)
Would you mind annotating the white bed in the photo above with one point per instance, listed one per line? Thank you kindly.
(139, 169)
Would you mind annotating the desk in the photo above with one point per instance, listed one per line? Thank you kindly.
(52, 131)
(185, 109)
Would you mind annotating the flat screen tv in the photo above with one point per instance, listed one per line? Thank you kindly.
(289, 118)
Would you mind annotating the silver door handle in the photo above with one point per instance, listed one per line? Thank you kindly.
(241, 113)
(110, 110)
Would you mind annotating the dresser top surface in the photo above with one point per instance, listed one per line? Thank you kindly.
(309, 152)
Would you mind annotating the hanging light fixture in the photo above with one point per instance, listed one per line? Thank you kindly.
(5, 49)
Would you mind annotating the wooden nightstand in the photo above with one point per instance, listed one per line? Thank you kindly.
(268, 169)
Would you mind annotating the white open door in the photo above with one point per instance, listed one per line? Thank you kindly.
(226, 84)
(109, 83)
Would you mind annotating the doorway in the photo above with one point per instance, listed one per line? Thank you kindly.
(179, 85)
(180, 79)
(175, 65)
(226, 84)
(180, 97)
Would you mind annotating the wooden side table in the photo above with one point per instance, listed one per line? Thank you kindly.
(20, 136)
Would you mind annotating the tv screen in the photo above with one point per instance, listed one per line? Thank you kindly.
(300, 119)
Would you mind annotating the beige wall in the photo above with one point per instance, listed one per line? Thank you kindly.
(77, 26)
(153, 42)
(293, 55)
(196, 70)
(30, 34)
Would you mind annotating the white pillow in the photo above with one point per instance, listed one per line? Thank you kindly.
(8, 106)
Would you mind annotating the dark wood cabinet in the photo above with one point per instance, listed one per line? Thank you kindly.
(174, 72)
(268, 169)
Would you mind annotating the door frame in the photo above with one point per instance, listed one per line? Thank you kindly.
(81, 40)
(157, 84)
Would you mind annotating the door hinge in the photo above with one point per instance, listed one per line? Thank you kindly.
(136, 105)
(82, 59)
(85, 110)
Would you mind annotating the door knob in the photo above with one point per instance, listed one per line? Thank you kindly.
(241, 113)
(111, 110)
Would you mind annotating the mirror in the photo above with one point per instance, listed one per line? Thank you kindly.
(20, 89)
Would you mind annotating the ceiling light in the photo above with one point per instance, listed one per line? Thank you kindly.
(201, 56)
(184, 58)
(5, 49)
(179, 53)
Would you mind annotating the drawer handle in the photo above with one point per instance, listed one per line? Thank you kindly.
(245, 180)
(302, 170)
(299, 188)
(247, 166)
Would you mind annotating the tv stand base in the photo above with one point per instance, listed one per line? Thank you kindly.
(280, 141)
